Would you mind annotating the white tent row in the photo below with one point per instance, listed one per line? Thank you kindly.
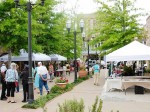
(132, 52)
(24, 57)
(57, 57)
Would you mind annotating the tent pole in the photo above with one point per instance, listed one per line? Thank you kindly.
(34, 64)
(142, 67)
(111, 67)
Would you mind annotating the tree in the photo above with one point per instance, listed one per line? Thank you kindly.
(53, 38)
(48, 34)
(117, 24)
(13, 30)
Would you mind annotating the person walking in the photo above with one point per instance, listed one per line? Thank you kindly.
(43, 72)
(51, 71)
(96, 69)
(90, 72)
(68, 69)
(11, 77)
(17, 85)
(24, 75)
(64, 71)
(3, 73)
(36, 79)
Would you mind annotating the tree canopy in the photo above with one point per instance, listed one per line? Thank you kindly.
(116, 24)
(48, 34)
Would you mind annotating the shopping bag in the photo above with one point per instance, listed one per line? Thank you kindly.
(16, 83)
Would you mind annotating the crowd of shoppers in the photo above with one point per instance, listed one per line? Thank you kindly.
(41, 74)
(10, 78)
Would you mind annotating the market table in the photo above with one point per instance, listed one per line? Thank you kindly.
(113, 83)
(126, 83)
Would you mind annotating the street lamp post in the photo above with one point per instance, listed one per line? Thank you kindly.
(96, 52)
(29, 9)
(68, 25)
(88, 56)
(83, 36)
(93, 36)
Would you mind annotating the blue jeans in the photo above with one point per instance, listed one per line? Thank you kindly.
(41, 83)
(17, 88)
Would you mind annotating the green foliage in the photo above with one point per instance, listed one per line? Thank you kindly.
(97, 106)
(61, 80)
(48, 26)
(40, 102)
(147, 70)
(57, 89)
(75, 106)
(79, 80)
(13, 30)
(117, 24)
(72, 106)
(128, 71)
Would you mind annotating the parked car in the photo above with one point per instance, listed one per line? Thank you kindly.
(91, 63)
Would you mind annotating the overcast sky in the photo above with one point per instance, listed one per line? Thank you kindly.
(88, 6)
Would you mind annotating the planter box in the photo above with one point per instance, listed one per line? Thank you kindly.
(82, 73)
(61, 85)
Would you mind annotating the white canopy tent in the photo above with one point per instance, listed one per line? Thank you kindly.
(132, 52)
(57, 57)
(24, 57)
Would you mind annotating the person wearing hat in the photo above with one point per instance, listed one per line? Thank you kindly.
(43, 72)
(96, 69)
(24, 76)
(3, 72)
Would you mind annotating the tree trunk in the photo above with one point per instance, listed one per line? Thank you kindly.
(9, 58)
(99, 59)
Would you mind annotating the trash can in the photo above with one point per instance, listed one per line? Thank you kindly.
(139, 90)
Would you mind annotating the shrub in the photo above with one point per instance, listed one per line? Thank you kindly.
(97, 106)
(75, 106)
(128, 71)
(61, 80)
(147, 70)
(82, 67)
(72, 106)
(57, 89)
(40, 102)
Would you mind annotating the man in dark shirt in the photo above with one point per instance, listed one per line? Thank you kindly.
(24, 75)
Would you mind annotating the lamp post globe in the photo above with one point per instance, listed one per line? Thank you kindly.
(68, 25)
(81, 25)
